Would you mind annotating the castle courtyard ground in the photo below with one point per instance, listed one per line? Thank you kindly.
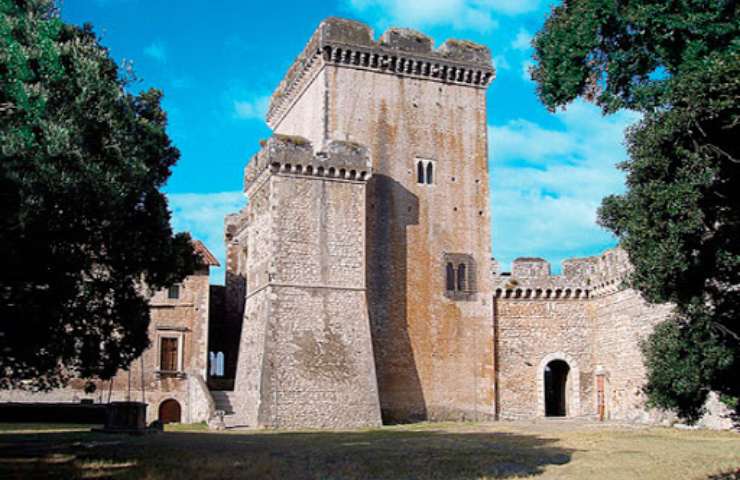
(544, 449)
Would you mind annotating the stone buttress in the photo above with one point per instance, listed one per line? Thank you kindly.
(306, 357)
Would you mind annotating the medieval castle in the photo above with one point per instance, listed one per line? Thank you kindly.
(360, 286)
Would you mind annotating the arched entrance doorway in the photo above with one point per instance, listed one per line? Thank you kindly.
(169, 411)
(556, 383)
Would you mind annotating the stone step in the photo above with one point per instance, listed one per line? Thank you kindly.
(222, 400)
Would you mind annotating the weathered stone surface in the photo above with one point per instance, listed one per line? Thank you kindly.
(588, 319)
(306, 357)
(348, 44)
(530, 267)
(466, 51)
(407, 40)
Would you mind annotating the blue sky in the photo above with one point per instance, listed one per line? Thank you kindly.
(218, 62)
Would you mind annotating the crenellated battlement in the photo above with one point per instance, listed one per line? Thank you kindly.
(610, 271)
(585, 277)
(399, 51)
(293, 155)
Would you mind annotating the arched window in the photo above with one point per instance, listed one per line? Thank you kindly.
(461, 280)
(212, 362)
(419, 172)
(450, 278)
(220, 364)
(430, 173)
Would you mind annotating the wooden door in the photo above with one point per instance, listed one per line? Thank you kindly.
(169, 411)
(600, 397)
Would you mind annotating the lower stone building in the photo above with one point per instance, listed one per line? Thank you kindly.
(171, 374)
(569, 344)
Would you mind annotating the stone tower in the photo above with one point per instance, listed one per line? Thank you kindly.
(305, 358)
(421, 113)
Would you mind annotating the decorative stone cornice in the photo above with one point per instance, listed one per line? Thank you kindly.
(401, 52)
(292, 155)
(542, 292)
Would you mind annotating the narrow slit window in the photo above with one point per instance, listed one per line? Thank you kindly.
(461, 280)
(450, 278)
(173, 292)
(430, 173)
(220, 364)
(212, 362)
(419, 172)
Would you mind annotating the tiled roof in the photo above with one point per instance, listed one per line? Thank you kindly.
(206, 256)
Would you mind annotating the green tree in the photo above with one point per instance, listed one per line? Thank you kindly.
(83, 224)
(678, 63)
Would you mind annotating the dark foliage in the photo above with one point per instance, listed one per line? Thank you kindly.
(84, 228)
(678, 63)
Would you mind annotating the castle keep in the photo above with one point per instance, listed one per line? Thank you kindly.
(360, 285)
(374, 185)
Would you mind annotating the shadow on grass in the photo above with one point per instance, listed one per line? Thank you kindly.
(382, 453)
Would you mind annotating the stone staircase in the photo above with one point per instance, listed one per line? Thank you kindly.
(222, 400)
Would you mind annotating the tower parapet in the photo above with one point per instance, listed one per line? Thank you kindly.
(294, 155)
(401, 52)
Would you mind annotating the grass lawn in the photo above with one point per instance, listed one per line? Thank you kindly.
(555, 449)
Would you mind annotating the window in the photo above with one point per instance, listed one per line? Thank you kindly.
(217, 364)
(174, 292)
(220, 364)
(461, 279)
(450, 277)
(459, 276)
(168, 354)
(425, 172)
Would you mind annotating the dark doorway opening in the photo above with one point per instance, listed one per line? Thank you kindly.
(556, 381)
(169, 411)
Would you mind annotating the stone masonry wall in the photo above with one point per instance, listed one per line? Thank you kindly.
(587, 318)
(306, 358)
(407, 102)
(532, 332)
(622, 320)
(252, 367)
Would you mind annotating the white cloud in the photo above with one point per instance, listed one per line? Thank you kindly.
(511, 7)
(522, 41)
(500, 63)
(255, 108)
(202, 214)
(547, 183)
(460, 14)
(526, 66)
(157, 51)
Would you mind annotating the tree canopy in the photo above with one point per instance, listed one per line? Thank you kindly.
(84, 228)
(677, 62)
